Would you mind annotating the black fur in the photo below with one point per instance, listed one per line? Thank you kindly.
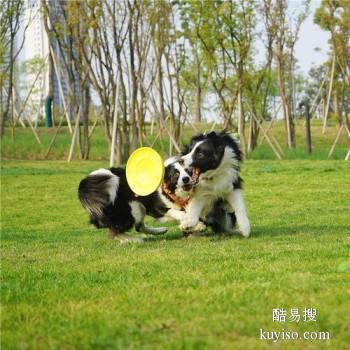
(208, 156)
(171, 176)
(93, 193)
(219, 218)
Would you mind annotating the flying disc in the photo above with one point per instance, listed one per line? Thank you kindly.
(144, 171)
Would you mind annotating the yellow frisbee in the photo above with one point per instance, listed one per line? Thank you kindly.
(144, 171)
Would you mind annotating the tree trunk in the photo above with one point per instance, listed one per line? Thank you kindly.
(85, 140)
(124, 141)
(5, 111)
(253, 133)
(132, 109)
(241, 122)
(289, 125)
(198, 115)
(160, 87)
(336, 108)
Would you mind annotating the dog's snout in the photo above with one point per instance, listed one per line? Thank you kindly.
(186, 179)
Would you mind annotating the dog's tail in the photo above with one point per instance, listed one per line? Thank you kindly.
(96, 192)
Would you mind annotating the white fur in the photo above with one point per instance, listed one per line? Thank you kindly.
(188, 158)
(113, 182)
(101, 171)
(180, 183)
(137, 211)
(171, 160)
(236, 201)
(214, 184)
(175, 212)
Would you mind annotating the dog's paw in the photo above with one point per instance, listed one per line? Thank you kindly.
(195, 234)
(244, 229)
(199, 227)
(165, 219)
(187, 224)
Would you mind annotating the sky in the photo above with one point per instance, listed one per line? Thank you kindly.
(311, 37)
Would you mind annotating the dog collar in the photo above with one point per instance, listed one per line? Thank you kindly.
(173, 197)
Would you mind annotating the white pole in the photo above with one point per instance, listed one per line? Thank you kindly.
(74, 137)
(328, 97)
(115, 121)
(61, 90)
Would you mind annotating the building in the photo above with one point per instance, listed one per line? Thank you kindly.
(36, 54)
(36, 48)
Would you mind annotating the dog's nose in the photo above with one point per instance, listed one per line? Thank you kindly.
(186, 179)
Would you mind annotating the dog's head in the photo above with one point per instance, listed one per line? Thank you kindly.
(176, 178)
(206, 152)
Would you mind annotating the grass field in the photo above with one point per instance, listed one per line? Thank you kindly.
(64, 285)
(22, 144)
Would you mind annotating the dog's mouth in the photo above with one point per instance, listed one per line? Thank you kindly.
(195, 175)
(187, 187)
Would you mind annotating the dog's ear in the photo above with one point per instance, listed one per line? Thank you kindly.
(171, 160)
(212, 134)
(167, 173)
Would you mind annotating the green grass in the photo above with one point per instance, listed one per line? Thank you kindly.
(24, 146)
(64, 285)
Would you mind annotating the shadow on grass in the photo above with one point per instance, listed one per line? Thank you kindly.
(257, 232)
(207, 235)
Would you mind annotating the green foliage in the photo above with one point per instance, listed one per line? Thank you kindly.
(66, 286)
(334, 16)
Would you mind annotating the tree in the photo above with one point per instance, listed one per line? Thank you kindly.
(334, 17)
(65, 61)
(284, 31)
(11, 14)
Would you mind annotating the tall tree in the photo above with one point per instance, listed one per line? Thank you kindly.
(334, 17)
(11, 14)
(285, 29)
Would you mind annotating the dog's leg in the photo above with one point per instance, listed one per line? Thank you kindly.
(140, 227)
(138, 211)
(193, 212)
(227, 224)
(123, 237)
(235, 198)
(112, 233)
(173, 214)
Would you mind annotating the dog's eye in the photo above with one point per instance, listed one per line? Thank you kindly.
(200, 155)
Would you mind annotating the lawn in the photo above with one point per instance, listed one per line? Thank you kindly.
(64, 285)
(22, 144)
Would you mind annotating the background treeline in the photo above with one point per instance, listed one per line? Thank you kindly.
(171, 63)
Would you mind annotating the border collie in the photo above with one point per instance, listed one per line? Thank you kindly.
(215, 160)
(108, 199)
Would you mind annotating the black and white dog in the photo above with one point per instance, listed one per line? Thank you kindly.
(108, 199)
(215, 160)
